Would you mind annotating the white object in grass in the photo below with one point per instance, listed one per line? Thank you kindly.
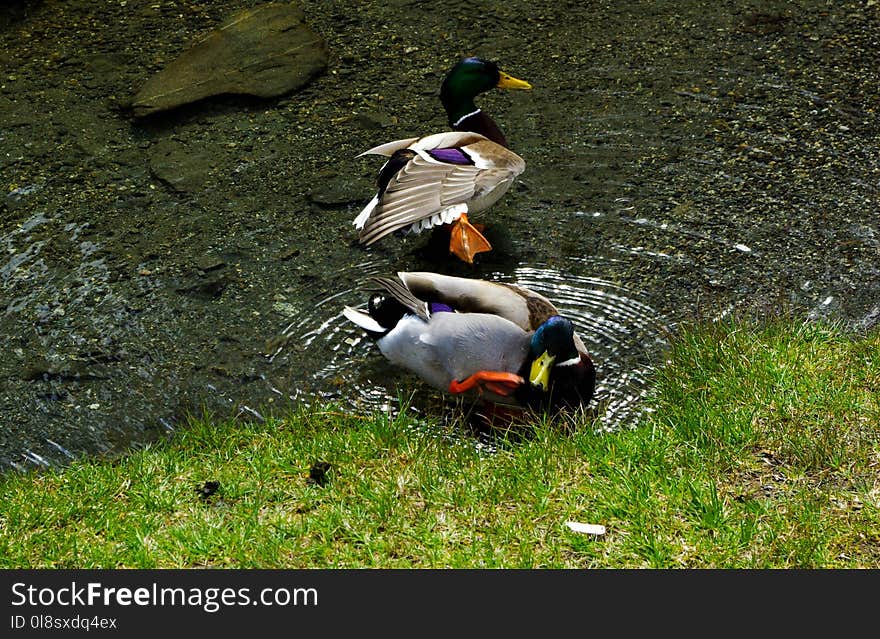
(589, 529)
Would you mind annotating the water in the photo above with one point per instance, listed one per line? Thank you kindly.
(623, 333)
(684, 162)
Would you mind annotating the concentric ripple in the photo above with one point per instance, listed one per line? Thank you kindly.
(623, 333)
(338, 362)
(335, 359)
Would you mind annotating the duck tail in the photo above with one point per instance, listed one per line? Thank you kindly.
(364, 215)
(374, 328)
(398, 291)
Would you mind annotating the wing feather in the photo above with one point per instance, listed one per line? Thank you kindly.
(426, 191)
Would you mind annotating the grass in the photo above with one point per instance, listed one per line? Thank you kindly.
(761, 450)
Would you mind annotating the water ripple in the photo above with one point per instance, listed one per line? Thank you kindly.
(336, 361)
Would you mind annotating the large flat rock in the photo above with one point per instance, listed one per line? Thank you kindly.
(266, 51)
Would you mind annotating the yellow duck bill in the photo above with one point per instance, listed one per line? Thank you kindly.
(540, 371)
(506, 81)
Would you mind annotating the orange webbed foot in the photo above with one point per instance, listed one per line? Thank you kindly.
(499, 382)
(465, 240)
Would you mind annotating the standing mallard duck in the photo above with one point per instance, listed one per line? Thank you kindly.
(440, 178)
(502, 342)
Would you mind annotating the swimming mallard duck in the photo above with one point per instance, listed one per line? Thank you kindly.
(504, 343)
(440, 178)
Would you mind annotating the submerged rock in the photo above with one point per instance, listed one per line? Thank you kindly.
(183, 167)
(265, 52)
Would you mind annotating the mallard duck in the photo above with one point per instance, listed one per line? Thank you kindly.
(502, 343)
(441, 178)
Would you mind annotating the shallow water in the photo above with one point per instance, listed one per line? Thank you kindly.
(684, 162)
(623, 333)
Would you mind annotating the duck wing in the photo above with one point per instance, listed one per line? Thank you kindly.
(434, 180)
(389, 148)
(524, 307)
(424, 189)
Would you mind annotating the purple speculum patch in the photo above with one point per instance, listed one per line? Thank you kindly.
(439, 307)
(451, 156)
